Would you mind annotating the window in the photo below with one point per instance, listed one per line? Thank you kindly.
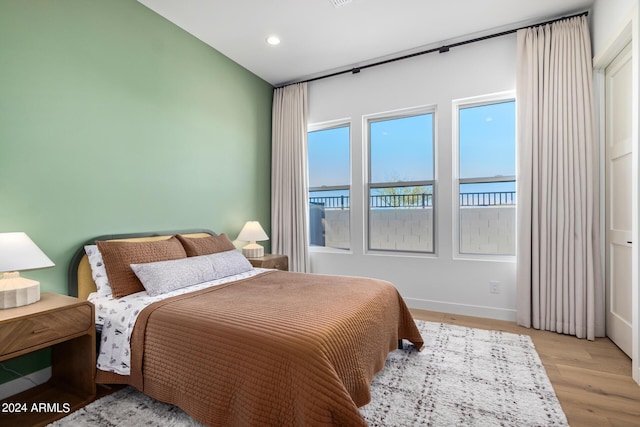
(329, 178)
(401, 183)
(486, 175)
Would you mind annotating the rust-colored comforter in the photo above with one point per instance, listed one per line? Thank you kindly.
(279, 349)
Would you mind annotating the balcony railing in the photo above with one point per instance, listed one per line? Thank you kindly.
(423, 200)
(492, 198)
(332, 202)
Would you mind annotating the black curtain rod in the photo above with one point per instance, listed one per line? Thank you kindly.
(441, 49)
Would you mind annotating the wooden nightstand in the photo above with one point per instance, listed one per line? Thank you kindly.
(65, 324)
(279, 262)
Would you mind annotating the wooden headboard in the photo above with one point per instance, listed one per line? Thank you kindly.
(81, 282)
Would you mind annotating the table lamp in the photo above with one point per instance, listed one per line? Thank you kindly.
(252, 232)
(17, 253)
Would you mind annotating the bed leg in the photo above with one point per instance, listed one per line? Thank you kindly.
(400, 346)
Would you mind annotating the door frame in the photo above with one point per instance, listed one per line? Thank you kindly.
(628, 33)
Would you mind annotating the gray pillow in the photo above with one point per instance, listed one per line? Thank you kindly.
(166, 276)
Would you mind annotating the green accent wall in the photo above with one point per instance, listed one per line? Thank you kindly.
(114, 120)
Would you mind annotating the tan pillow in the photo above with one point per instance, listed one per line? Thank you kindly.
(196, 246)
(118, 257)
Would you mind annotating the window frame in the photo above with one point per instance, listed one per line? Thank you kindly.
(368, 185)
(328, 125)
(456, 106)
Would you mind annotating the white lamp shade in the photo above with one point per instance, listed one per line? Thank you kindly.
(252, 232)
(19, 253)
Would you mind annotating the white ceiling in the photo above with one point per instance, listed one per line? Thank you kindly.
(318, 37)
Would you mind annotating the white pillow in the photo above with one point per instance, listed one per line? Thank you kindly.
(229, 263)
(166, 276)
(98, 272)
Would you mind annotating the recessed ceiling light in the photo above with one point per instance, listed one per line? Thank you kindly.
(273, 40)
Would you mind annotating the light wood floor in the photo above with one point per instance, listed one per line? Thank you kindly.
(592, 379)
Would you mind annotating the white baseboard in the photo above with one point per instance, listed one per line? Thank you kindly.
(21, 384)
(462, 309)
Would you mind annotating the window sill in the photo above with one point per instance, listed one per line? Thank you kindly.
(327, 250)
(485, 258)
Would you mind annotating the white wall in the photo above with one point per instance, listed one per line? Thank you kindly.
(607, 18)
(488, 230)
(614, 22)
(401, 229)
(483, 230)
(438, 282)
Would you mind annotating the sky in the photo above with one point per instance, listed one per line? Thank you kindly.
(487, 140)
(401, 149)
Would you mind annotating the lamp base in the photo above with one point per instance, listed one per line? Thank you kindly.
(253, 250)
(16, 291)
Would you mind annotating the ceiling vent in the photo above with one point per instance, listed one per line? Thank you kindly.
(338, 3)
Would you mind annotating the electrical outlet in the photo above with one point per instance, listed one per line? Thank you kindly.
(494, 287)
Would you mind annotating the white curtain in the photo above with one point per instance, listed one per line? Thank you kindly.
(559, 283)
(289, 206)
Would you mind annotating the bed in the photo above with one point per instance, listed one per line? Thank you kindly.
(257, 347)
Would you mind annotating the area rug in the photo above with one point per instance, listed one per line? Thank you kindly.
(463, 377)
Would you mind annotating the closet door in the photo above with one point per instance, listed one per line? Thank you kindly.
(618, 198)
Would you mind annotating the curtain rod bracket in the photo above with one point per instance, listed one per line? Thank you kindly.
(355, 70)
(443, 49)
